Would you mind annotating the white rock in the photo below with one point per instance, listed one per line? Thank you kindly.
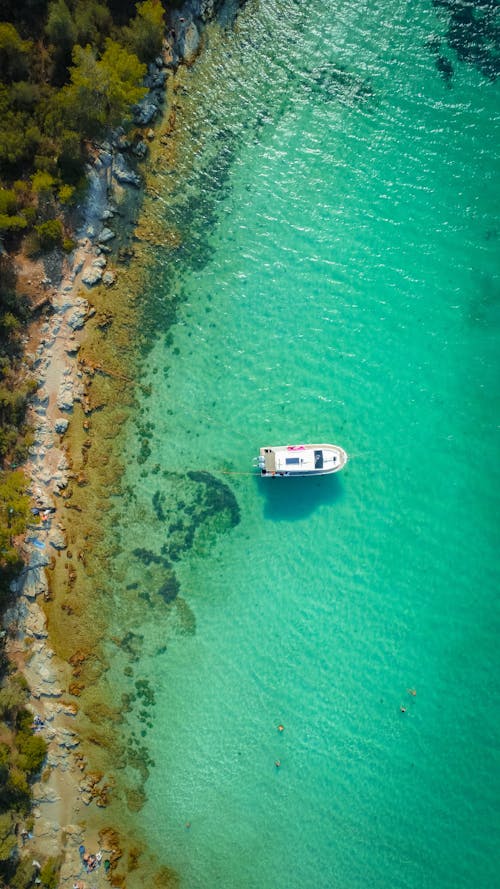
(61, 425)
(106, 235)
(91, 275)
(65, 396)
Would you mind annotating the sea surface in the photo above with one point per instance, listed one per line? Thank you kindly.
(335, 277)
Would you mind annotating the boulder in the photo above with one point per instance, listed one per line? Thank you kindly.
(57, 539)
(77, 318)
(141, 149)
(108, 278)
(189, 43)
(35, 623)
(106, 235)
(65, 396)
(123, 174)
(144, 112)
(91, 275)
(61, 425)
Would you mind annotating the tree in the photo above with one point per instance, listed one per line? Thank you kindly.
(145, 32)
(10, 220)
(8, 841)
(19, 135)
(102, 92)
(61, 31)
(14, 53)
(93, 23)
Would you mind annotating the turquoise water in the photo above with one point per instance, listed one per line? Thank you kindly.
(339, 281)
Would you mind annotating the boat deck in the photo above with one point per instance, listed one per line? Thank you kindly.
(310, 459)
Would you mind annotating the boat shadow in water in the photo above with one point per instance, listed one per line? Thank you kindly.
(291, 499)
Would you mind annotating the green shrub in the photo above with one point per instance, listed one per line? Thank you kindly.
(66, 193)
(49, 873)
(42, 181)
(14, 514)
(50, 234)
(8, 840)
(17, 785)
(8, 201)
(12, 699)
(10, 220)
(12, 223)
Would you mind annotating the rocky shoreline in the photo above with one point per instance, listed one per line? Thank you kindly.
(66, 786)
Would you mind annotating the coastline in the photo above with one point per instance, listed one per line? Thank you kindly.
(52, 355)
(63, 352)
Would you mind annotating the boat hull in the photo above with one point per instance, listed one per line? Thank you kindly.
(300, 461)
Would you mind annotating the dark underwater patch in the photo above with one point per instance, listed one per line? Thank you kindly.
(338, 83)
(474, 33)
(170, 587)
(131, 643)
(198, 501)
(148, 557)
(157, 506)
(445, 68)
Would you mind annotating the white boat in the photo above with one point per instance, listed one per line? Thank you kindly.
(292, 461)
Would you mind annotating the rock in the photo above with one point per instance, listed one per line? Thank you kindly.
(65, 396)
(78, 261)
(40, 400)
(77, 319)
(107, 214)
(189, 43)
(35, 623)
(141, 149)
(91, 275)
(156, 80)
(106, 235)
(150, 135)
(108, 278)
(144, 112)
(123, 174)
(61, 425)
(57, 539)
(67, 738)
(106, 158)
(99, 262)
(42, 794)
(33, 581)
(45, 685)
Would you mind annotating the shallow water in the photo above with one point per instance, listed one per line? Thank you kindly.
(336, 280)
